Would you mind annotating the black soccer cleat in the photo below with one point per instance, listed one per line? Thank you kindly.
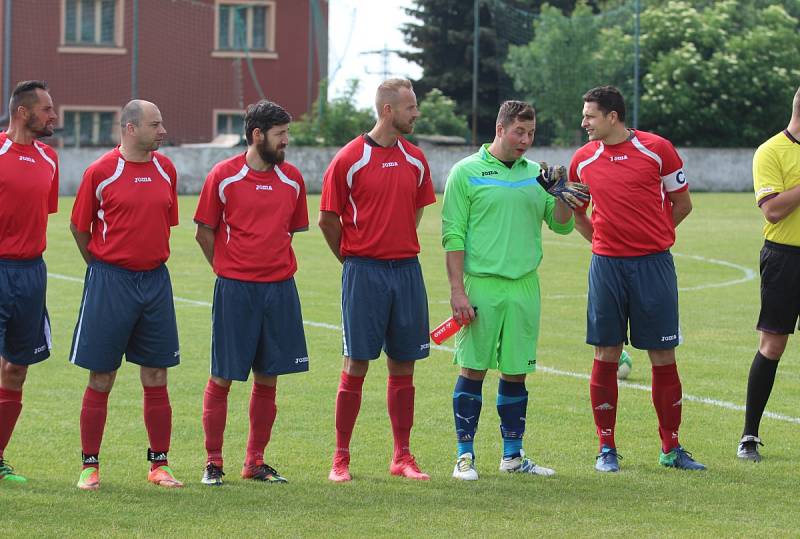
(748, 448)
(212, 475)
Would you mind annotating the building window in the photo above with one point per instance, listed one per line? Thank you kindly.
(230, 124)
(245, 27)
(91, 26)
(88, 128)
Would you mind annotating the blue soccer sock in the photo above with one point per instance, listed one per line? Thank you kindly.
(467, 403)
(512, 406)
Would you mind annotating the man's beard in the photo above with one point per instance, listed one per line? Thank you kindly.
(39, 129)
(270, 155)
(406, 128)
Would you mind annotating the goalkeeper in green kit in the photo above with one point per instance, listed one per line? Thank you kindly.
(495, 203)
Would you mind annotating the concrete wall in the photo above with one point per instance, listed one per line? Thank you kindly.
(706, 169)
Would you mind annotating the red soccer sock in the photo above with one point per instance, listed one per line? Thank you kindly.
(667, 399)
(158, 421)
(400, 400)
(262, 417)
(348, 403)
(10, 408)
(215, 414)
(93, 422)
(603, 392)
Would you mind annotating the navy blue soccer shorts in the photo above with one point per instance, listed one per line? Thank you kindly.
(125, 312)
(641, 291)
(24, 324)
(384, 306)
(256, 326)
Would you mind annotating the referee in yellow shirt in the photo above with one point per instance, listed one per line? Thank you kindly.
(776, 178)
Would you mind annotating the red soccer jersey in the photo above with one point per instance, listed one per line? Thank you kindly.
(28, 194)
(377, 191)
(254, 214)
(629, 182)
(129, 208)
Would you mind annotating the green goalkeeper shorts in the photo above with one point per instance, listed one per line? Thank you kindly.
(504, 334)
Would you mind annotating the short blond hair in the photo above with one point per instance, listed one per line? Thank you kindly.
(389, 91)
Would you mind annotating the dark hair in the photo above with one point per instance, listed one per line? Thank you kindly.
(264, 115)
(608, 99)
(515, 110)
(24, 94)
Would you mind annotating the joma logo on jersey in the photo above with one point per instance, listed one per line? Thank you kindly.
(299, 360)
(489, 173)
(390, 164)
(263, 188)
(26, 158)
(618, 158)
(142, 179)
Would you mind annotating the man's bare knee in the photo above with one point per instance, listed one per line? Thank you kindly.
(12, 376)
(102, 381)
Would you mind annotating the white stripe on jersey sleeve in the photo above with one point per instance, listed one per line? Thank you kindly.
(592, 159)
(99, 193)
(652, 155)
(358, 165)
(221, 191)
(45, 156)
(161, 170)
(285, 179)
(6, 146)
(414, 161)
(227, 181)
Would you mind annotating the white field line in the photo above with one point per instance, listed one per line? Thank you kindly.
(748, 274)
(540, 368)
(640, 387)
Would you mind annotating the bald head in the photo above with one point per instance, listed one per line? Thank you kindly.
(142, 127)
(134, 112)
(389, 93)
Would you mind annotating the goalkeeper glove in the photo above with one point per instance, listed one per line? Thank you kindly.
(554, 180)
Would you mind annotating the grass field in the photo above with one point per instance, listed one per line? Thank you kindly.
(716, 257)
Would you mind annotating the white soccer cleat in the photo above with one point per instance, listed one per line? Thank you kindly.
(523, 464)
(465, 468)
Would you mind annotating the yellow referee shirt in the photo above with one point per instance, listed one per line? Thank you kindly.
(776, 168)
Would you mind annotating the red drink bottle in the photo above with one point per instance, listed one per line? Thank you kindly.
(447, 329)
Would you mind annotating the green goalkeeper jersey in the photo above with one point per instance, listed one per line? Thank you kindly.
(494, 214)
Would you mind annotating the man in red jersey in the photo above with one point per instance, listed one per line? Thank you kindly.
(639, 196)
(373, 195)
(250, 207)
(121, 220)
(28, 194)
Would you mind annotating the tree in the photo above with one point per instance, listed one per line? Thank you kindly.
(438, 116)
(714, 73)
(729, 81)
(554, 69)
(443, 38)
(334, 123)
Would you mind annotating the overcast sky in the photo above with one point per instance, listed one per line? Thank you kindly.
(359, 26)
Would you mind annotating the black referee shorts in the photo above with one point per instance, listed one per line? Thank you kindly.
(780, 288)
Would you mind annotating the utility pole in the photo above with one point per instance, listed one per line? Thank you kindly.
(475, 54)
(636, 90)
(135, 51)
(385, 54)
